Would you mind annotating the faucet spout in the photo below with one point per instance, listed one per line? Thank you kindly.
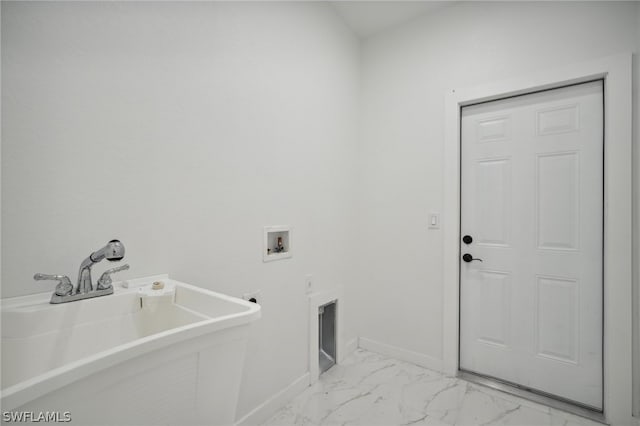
(84, 277)
(113, 251)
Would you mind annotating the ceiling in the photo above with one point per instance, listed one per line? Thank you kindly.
(366, 18)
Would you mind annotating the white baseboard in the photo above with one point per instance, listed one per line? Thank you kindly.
(267, 409)
(349, 348)
(401, 354)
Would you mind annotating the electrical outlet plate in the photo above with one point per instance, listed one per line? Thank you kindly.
(308, 283)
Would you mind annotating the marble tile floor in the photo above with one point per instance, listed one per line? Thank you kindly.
(370, 389)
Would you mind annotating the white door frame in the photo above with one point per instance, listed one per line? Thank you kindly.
(617, 352)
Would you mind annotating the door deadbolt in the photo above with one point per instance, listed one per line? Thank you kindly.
(467, 239)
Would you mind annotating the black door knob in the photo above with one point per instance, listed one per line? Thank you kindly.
(467, 239)
(468, 258)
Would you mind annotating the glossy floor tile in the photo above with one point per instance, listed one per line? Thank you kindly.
(371, 389)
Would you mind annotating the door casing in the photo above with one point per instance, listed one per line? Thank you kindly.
(616, 71)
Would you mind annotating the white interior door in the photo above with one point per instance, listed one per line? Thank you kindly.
(532, 202)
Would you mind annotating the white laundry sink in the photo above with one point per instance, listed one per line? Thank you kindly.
(54, 355)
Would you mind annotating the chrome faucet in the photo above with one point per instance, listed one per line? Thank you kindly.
(64, 292)
(113, 251)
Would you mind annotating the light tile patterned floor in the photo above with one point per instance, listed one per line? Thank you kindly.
(371, 389)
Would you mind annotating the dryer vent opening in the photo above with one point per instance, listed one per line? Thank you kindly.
(327, 335)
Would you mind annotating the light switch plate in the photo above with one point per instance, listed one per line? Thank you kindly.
(434, 220)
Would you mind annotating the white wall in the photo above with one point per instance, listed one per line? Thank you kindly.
(182, 129)
(406, 72)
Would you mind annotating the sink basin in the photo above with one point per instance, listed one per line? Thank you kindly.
(49, 351)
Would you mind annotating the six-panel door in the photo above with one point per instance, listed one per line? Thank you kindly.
(532, 201)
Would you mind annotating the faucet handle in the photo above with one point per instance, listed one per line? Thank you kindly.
(64, 287)
(105, 279)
